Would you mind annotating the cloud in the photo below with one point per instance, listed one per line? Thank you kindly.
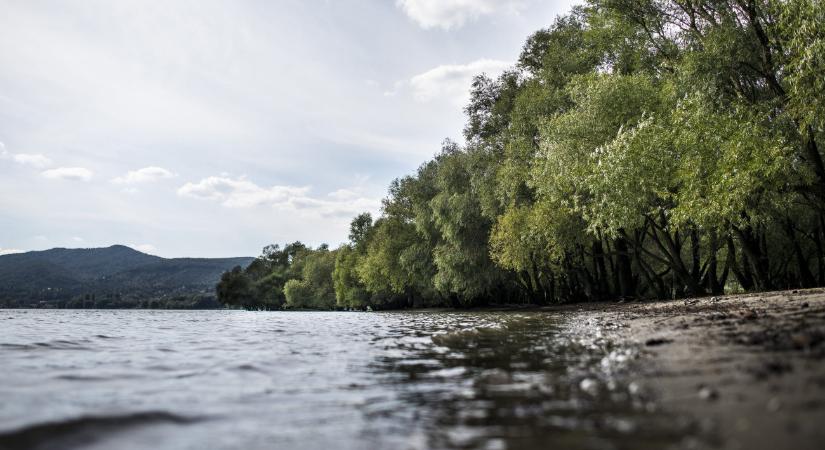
(239, 192)
(144, 175)
(243, 193)
(68, 173)
(35, 160)
(447, 14)
(343, 194)
(452, 81)
(38, 161)
(9, 251)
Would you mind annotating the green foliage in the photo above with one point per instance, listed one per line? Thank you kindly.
(518, 240)
(653, 148)
(380, 269)
(802, 34)
(313, 288)
(464, 268)
(235, 288)
(733, 169)
(360, 228)
(350, 292)
(263, 284)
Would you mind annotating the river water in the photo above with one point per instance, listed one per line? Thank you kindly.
(317, 380)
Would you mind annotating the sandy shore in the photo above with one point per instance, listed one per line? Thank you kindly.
(748, 369)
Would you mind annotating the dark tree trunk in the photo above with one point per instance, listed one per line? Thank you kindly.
(623, 267)
(758, 259)
(806, 278)
(695, 252)
(711, 279)
(600, 269)
(741, 272)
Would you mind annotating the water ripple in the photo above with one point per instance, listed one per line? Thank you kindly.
(417, 380)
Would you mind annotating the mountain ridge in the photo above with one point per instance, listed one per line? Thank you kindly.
(114, 276)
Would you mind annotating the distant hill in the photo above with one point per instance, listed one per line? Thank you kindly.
(111, 277)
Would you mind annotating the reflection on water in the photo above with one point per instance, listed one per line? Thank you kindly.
(224, 379)
(521, 381)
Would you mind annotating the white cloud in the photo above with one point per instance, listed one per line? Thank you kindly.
(144, 175)
(37, 161)
(9, 251)
(343, 194)
(145, 248)
(68, 173)
(447, 14)
(242, 193)
(451, 82)
(239, 192)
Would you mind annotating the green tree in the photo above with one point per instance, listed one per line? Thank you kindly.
(314, 288)
(235, 289)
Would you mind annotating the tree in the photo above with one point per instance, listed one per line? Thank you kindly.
(235, 289)
(654, 148)
(313, 289)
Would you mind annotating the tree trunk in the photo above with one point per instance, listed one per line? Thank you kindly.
(625, 271)
(759, 260)
(742, 274)
(806, 278)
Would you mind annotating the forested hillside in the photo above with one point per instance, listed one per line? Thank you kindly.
(112, 277)
(638, 149)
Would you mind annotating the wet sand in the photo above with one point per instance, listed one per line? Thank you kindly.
(748, 369)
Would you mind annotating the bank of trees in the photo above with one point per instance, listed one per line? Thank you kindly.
(294, 276)
(645, 149)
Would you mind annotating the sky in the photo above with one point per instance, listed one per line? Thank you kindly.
(213, 128)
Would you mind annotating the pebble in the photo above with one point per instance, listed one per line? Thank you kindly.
(590, 386)
(708, 393)
(750, 315)
(657, 341)
(802, 340)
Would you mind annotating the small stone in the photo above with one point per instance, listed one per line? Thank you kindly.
(589, 386)
(708, 393)
(777, 367)
(654, 342)
(774, 404)
(802, 340)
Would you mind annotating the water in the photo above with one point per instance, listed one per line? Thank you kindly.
(232, 379)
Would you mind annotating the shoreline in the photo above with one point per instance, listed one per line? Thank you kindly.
(749, 369)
